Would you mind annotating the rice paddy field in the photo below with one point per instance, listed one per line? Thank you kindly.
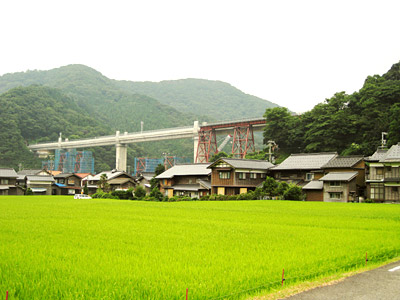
(55, 247)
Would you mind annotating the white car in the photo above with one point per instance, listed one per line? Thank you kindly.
(82, 196)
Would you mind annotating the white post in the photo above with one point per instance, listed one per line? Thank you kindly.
(121, 157)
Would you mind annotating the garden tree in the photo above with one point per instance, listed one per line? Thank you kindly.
(293, 192)
(103, 184)
(217, 156)
(154, 182)
(85, 189)
(155, 192)
(270, 186)
(140, 192)
(282, 187)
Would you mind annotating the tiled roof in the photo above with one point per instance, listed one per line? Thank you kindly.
(339, 176)
(245, 163)
(343, 162)
(185, 170)
(314, 185)
(186, 187)
(306, 161)
(29, 172)
(392, 155)
(205, 184)
(8, 172)
(378, 155)
(63, 175)
(39, 178)
(110, 175)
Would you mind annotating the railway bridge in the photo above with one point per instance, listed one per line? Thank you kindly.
(203, 135)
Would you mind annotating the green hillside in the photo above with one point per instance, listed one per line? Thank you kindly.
(102, 98)
(217, 99)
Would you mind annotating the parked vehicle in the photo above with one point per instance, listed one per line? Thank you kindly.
(82, 196)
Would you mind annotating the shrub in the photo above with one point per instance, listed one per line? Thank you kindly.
(294, 192)
(140, 192)
(28, 192)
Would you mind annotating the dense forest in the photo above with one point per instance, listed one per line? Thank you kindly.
(215, 99)
(36, 114)
(348, 124)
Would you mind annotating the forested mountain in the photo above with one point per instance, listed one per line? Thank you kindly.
(102, 98)
(217, 99)
(348, 124)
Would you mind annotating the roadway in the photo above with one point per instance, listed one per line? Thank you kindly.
(381, 283)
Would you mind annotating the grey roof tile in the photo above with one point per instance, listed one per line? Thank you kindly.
(392, 155)
(339, 176)
(184, 170)
(8, 172)
(306, 161)
(343, 162)
(39, 178)
(314, 185)
(246, 163)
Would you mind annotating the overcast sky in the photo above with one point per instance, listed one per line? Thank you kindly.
(294, 53)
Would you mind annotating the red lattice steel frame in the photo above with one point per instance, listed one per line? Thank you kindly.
(169, 162)
(243, 141)
(77, 166)
(207, 146)
(140, 165)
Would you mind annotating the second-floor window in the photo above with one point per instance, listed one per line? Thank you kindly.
(253, 175)
(309, 176)
(335, 183)
(242, 175)
(4, 181)
(224, 175)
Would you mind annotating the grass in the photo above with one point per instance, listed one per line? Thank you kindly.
(56, 247)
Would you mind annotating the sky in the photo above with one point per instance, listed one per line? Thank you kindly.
(293, 53)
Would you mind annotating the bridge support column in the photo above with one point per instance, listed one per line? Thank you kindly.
(121, 157)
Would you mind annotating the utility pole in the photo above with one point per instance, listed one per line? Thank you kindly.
(271, 147)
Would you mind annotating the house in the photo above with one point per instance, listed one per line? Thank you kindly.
(350, 164)
(66, 184)
(383, 175)
(143, 180)
(39, 184)
(21, 180)
(191, 180)
(230, 176)
(8, 182)
(118, 180)
(339, 186)
(304, 169)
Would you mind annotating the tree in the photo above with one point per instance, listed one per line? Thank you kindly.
(156, 194)
(155, 182)
(140, 192)
(85, 189)
(217, 156)
(270, 186)
(103, 184)
(294, 192)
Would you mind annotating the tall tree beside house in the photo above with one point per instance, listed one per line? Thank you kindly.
(103, 184)
(155, 183)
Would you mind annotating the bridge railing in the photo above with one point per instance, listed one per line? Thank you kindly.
(121, 134)
(234, 121)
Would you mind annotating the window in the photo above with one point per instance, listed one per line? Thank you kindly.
(224, 175)
(309, 176)
(61, 180)
(389, 169)
(379, 171)
(263, 175)
(253, 175)
(335, 195)
(377, 191)
(395, 189)
(4, 181)
(335, 183)
(242, 175)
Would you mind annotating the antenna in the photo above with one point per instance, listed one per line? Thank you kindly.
(384, 134)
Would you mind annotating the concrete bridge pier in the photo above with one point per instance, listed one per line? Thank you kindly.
(121, 157)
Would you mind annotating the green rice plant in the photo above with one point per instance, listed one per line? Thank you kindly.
(55, 247)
